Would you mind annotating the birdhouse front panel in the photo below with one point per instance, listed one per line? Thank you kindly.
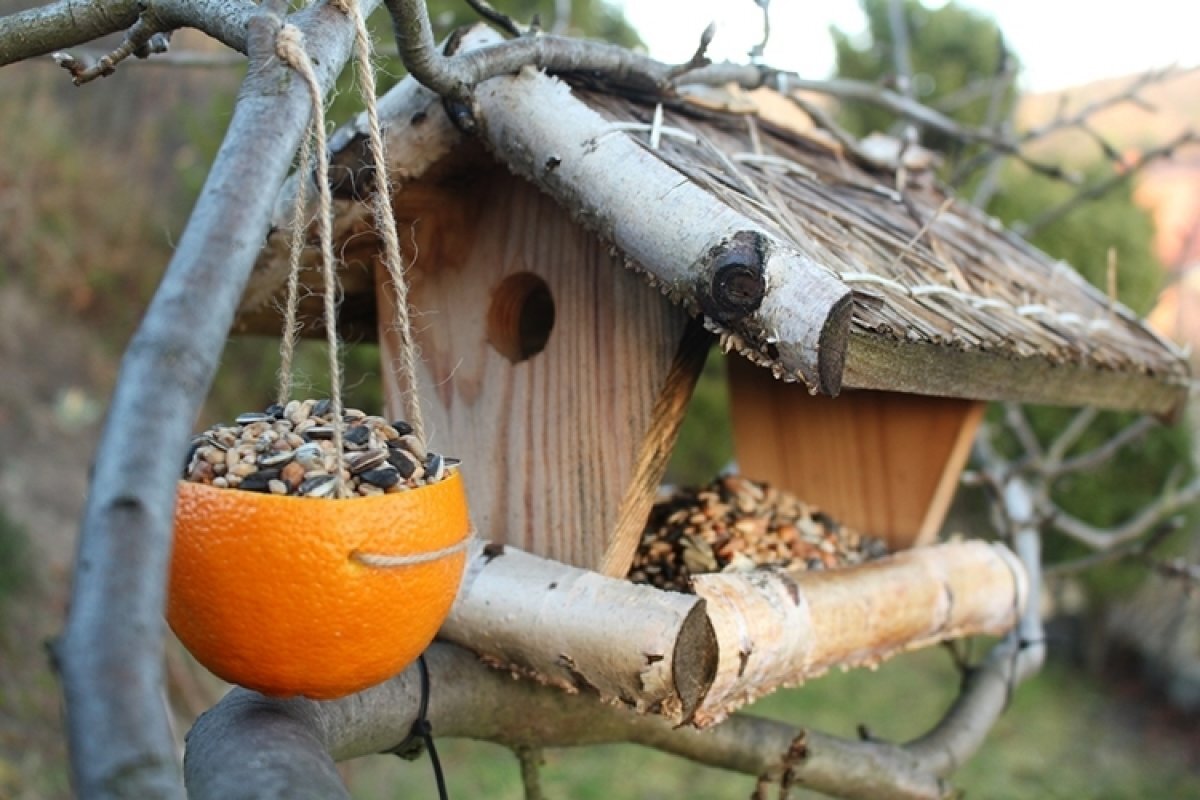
(545, 366)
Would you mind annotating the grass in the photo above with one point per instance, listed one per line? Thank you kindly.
(14, 559)
(1063, 737)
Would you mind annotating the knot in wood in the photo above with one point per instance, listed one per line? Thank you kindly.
(737, 282)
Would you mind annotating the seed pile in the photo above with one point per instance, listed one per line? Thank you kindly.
(735, 524)
(289, 450)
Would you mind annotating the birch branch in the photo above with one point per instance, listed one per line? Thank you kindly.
(777, 629)
(695, 248)
(111, 651)
(557, 627)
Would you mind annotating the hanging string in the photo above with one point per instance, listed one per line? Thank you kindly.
(289, 44)
(385, 221)
(291, 327)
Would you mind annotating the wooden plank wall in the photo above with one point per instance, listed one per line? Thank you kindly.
(885, 463)
(563, 451)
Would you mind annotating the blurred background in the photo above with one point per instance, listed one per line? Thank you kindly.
(96, 184)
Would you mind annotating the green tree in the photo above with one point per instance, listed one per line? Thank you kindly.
(955, 52)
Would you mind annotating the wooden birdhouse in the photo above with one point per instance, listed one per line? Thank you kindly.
(572, 261)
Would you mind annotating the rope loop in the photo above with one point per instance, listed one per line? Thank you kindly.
(289, 45)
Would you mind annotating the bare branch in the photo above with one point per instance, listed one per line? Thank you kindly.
(111, 652)
(1136, 549)
(67, 23)
(1069, 435)
(1094, 458)
(531, 761)
(251, 746)
(988, 688)
(498, 18)
(1138, 526)
(183, 59)
(901, 51)
(148, 35)
(453, 77)
(756, 52)
(1016, 421)
(1100, 188)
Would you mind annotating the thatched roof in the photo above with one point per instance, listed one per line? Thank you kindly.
(943, 300)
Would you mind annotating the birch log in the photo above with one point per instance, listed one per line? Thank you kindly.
(580, 631)
(777, 629)
(695, 248)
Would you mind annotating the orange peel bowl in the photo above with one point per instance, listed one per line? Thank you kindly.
(284, 595)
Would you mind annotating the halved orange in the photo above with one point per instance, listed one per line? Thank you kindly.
(314, 597)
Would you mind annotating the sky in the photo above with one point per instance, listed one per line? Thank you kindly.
(1060, 42)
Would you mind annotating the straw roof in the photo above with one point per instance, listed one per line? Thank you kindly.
(944, 300)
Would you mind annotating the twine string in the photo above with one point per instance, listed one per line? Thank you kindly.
(385, 221)
(291, 327)
(289, 45)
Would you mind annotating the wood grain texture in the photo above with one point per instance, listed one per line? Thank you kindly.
(882, 462)
(878, 362)
(550, 445)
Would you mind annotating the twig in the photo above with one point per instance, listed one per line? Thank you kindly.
(699, 58)
(1018, 424)
(498, 18)
(147, 35)
(1142, 522)
(454, 77)
(531, 760)
(184, 59)
(1069, 436)
(1100, 188)
(757, 51)
(1136, 549)
(1100, 455)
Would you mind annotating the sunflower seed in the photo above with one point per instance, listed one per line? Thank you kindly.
(259, 481)
(357, 435)
(251, 417)
(402, 427)
(361, 462)
(317, 486)
(321, 408)
(384, 477)
(405, 464)
(276, 459)
(318, 432)
(435, 468)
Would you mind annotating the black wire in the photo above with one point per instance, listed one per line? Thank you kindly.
(422, 728)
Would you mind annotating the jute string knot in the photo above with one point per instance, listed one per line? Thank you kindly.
(289, 46)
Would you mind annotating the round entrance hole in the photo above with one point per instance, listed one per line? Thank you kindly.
(520, 317)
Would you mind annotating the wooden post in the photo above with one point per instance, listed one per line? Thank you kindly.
(885, 463)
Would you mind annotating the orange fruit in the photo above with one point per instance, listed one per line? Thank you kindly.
(270, 592)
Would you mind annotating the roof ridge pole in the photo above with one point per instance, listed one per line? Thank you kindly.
(785, 311)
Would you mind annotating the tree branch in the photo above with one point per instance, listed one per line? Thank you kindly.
(1141, 523)
(989, 687)
(1094, 458)
(66, 23)
(454, 77)
(251, 746)
(1100, 188)
(111, 652)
